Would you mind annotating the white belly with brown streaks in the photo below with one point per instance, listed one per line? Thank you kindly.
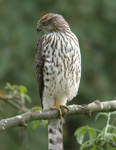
(62, 69)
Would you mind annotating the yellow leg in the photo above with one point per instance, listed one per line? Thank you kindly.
(58, 107)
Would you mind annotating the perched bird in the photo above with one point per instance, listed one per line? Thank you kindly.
(58, 69)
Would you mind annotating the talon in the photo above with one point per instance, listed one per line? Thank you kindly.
(65, 107)
(58, 107)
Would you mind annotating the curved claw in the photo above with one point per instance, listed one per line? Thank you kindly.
(58, 107)
(64, 106)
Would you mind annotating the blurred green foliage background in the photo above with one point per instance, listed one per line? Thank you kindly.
(94, 23)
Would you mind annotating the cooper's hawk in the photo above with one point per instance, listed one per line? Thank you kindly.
(58, 68)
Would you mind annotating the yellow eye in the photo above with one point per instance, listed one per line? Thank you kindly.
(45, 23)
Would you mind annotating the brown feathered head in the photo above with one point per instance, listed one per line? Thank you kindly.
(52, 22)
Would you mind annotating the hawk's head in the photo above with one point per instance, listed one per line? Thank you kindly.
(52, 22)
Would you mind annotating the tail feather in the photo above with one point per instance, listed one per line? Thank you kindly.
(55, 139)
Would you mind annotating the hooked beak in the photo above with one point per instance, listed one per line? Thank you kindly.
(39, 28)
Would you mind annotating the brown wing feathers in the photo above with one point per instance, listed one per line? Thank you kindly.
(39, 62)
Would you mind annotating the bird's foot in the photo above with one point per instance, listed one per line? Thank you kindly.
(58, 107)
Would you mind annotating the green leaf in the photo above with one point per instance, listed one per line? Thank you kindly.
(93, 148)
(111, 127)
(99, 148)
(80, 133)
(13, 87)
(99, 114)
(114, 131)
(92, 135)
(43, 122)
(113, 113)
(100, 137)
(35, 124)
(36, 107)
(84, 145)
(103, 130)
(107, 137)
(109, 147)
(114, 138)
(27, 98)
(22, 89)
(8, 86)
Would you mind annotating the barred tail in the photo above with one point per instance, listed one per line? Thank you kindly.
(55, 136)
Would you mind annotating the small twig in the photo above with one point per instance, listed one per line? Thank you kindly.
(10, 101)
(108, 121)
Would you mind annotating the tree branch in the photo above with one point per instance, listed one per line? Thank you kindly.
(33, 114)
(9, 101)
(14, 103)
